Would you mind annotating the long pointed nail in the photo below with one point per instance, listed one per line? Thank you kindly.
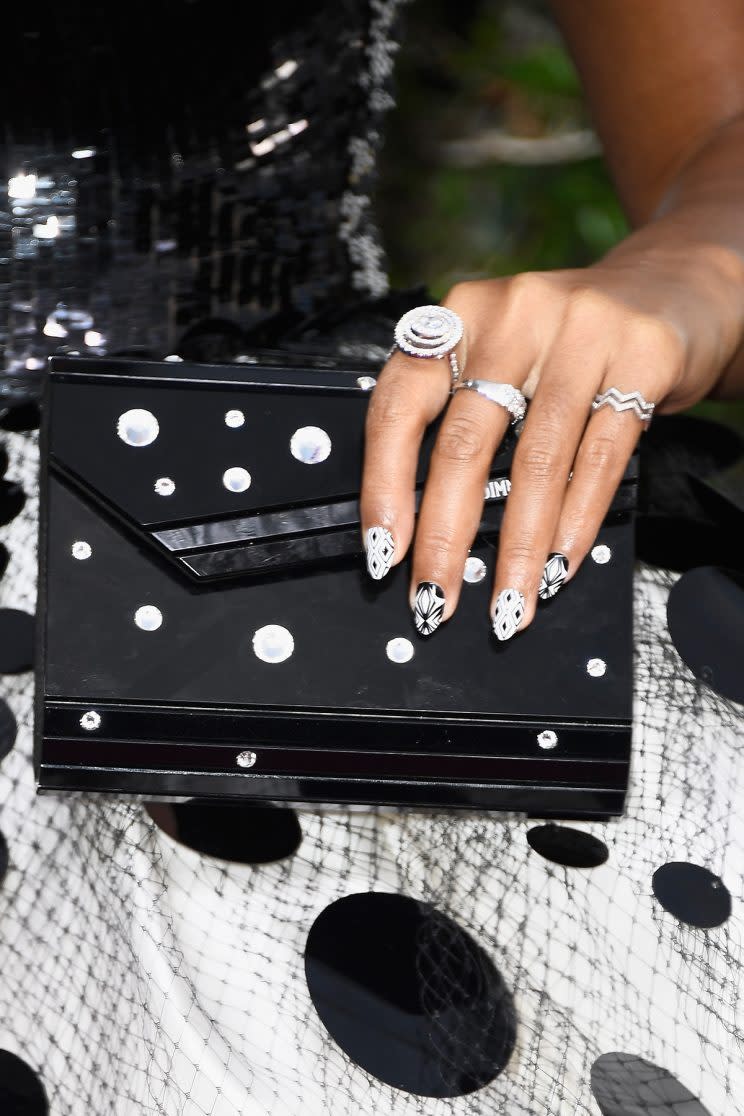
(508, 614)
(380, 552)
(428, 607)
(553, 576)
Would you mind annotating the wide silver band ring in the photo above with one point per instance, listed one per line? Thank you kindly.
(625, 401)
(505, 395)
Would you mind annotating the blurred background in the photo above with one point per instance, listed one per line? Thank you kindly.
(490, 165)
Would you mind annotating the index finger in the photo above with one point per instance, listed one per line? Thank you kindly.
(410, 393)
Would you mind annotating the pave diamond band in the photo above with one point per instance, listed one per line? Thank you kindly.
(625, 401)
(505, 395)
(429, 331)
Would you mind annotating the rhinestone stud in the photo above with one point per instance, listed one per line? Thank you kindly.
(90, 721)
(81, 550)
(596, 667)
(137, 427)
(547, 739)
(234, 419)
(399, 650)
(475, 571)
(236, 479)
(601, 554)
(310, 445)
(366, 383)
(246, 759)
(148, 618)
(273, 643)
(164, 486)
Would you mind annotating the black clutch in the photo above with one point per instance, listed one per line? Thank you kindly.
(207, 626)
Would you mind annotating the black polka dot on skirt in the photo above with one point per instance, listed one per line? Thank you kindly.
(242, 832)
(4, 558)
(21, 1091)
(408, 995)
(26, 416)
(16, 641)
(705, 614)
(8, 729)
(571, 847)
(3, 861)
(626, 1085)
(692, 894)
(12, 499)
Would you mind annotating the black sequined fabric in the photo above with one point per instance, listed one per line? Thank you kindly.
(192, 178)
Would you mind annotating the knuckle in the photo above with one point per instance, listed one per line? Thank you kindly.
(461, 440)
(391, 405)
(589, 307)
(598, 453)
(658, 339)
(539, 458)
(517, 554)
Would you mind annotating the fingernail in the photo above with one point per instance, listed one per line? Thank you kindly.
(553, 576)
(380, 552)
(508, 614)
(428, 607)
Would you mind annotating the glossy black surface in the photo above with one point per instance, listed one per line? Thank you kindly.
(627, 1085)
(408, 995)
(705, 613)
(692, 894)
(21, 1091)
(571, 847)
(179, 703)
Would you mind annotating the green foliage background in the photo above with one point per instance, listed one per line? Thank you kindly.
(472, 65)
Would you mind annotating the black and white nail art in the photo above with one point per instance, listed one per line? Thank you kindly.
(508, 614)
(428, 608)
(553, 576)
(380, 552)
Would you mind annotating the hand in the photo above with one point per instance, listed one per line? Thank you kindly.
(660, 323)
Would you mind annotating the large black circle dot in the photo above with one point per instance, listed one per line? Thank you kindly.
(570, 847)
(4, 557)
(705, 614)
(21, 1091)
(408, 995)
(16, 641)
(692, 894)
(3, 859)
(3, 460)
(12, 499)
(241, 832)
(626, 1085)
(26, 416)
(8, 729)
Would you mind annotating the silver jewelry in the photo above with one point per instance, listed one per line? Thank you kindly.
(506, 395)
(429, 331)
(625, 401)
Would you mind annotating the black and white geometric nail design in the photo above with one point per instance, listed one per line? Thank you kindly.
(553, 576)
(508, 614)
(428, 607)
(380, 552)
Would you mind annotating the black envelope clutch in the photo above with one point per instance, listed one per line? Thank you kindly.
(207, 626)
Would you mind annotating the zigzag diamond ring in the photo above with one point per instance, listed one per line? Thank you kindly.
(622, 401)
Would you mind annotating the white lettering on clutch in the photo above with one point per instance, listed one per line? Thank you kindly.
(498, 489)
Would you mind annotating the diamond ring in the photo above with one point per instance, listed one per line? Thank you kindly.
(505, 395)
(625, 401)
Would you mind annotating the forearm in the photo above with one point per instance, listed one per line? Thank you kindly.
(698, 229)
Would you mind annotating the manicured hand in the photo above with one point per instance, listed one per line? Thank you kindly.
(662, 324)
